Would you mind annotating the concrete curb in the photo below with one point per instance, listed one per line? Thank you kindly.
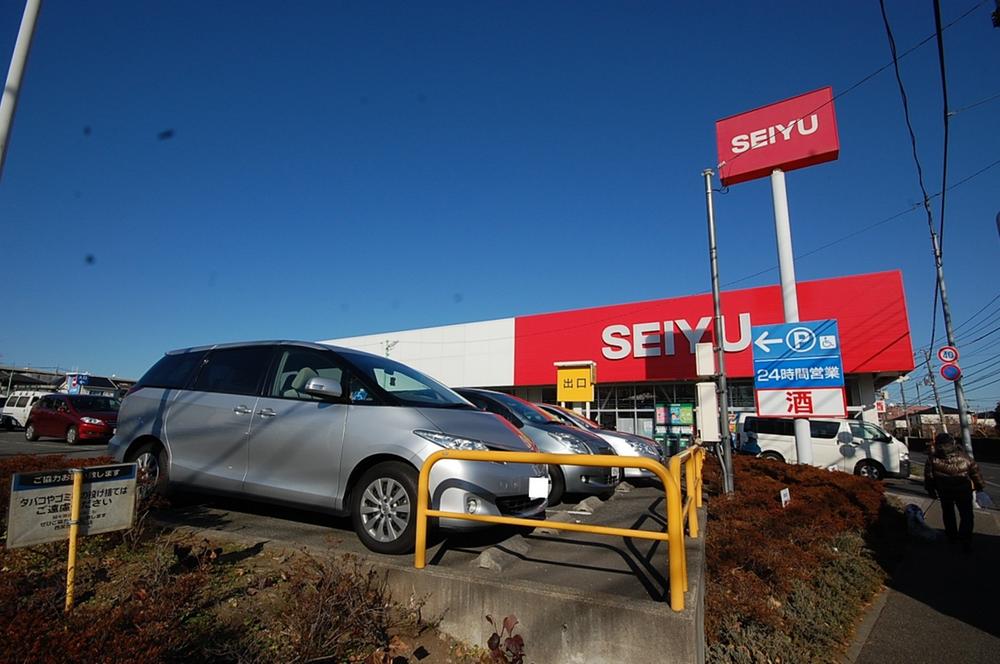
(865, 627)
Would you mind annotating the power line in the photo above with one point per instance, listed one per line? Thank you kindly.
(978, 103)
(991, 332)
(981, 310)
(878, 71)
(945, 117)
(916, 157)
(863, 229)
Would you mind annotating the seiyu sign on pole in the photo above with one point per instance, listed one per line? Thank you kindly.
(798, 371)
(790, 134)
(41, 503)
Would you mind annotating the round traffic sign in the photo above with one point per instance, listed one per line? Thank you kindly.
(948, 354)
(951, 372)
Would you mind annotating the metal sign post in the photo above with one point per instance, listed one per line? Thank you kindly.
(789, 297)
(74, 531)
(719, 346)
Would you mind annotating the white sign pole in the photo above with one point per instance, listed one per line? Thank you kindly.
(789, 297)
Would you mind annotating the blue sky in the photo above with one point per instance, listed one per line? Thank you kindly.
(343, 168)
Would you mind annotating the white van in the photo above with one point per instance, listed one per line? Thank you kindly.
(853, 446)
(19, 404)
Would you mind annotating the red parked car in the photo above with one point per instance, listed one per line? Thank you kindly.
(73, 417)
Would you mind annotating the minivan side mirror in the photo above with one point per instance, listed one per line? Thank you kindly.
(324, 388)
(845, 438)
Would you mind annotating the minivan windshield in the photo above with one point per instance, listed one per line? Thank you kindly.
(575, 417)
(406, 384)
(94, 403)
(525, 410)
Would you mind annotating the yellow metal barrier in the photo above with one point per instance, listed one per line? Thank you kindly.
(675, 508)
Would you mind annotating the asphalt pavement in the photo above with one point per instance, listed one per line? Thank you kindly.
(13, 443)
(941, 603)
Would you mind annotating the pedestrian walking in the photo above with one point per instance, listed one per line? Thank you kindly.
(951, 476)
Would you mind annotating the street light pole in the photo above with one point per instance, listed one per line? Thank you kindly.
(720, 342)
(16, 72)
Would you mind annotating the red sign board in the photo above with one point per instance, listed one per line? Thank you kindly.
(789, 134)
(655, 340)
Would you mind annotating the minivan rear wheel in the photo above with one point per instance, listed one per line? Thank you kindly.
(153, 472)
(384, 507)
(772, 456)
(869, 469)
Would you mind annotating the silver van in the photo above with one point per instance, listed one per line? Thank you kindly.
(320, 427)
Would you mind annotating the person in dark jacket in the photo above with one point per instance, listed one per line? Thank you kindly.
(951, 475)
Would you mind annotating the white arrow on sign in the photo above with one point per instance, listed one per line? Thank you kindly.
(763, 342)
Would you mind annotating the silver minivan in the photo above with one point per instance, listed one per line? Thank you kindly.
(324, 428)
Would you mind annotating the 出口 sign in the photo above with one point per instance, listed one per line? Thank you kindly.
(41, 503)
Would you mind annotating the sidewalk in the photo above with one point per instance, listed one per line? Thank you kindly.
(941, 604)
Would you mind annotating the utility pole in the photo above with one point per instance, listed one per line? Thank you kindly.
(720, 341)
(963, 411)
(937, 399)
(906, 415)
(16, 72)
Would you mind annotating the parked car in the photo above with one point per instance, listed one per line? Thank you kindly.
(19, 405)
(72, 417)
(324, 428)
(853, 446)
(550, 435)
(625, 444)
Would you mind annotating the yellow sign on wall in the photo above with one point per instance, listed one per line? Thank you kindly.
(575, 384)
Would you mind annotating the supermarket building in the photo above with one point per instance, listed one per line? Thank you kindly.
(644, 351)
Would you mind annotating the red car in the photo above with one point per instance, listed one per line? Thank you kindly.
(73, 417)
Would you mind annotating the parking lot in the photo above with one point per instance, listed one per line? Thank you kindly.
(13, 443)
(625, 568)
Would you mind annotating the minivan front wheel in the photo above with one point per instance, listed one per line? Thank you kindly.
(30, 433)
(384, 507)
(72, 436)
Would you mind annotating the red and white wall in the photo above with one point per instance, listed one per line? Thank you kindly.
(654, 340)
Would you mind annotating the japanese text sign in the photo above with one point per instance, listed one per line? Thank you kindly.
(575, 384)
(798, 371)
(40, 503)
(789, 134)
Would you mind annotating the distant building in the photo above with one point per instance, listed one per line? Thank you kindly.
(12, 378)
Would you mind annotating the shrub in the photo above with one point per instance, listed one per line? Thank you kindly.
(786, 584)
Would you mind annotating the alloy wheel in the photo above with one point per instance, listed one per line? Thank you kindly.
(385, 509)
(148, 473)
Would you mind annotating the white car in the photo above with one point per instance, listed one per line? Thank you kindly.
(19, 404)
(853, 446)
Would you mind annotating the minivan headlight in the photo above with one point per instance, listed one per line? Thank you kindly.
(91, 420)
(572, 442)
(451, 442)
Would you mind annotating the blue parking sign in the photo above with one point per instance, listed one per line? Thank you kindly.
(797, 355)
